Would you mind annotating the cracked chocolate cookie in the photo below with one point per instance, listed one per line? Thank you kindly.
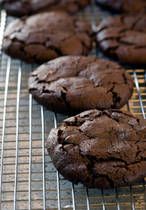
(124, 38)
(128, 6)
(45, 36)
(77, 83)
(100, 148)
(28, 7)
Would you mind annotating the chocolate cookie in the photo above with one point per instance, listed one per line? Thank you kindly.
(124, 38)
(100, 148)
(28, 7)
(46, 36)
(128, 6)
(76, 83)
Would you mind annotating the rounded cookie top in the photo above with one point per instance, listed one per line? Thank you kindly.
(128, 6)
(28, 7)
(77, 83)
(45, 36)
(100, 148)
(124, 38)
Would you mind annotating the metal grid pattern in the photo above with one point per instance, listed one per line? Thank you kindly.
(28, 179)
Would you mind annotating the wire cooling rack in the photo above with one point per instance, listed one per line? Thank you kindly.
(28, 179)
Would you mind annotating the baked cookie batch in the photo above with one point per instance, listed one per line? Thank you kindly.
(100, 146)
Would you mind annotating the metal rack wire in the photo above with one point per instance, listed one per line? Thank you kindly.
(28, 179)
